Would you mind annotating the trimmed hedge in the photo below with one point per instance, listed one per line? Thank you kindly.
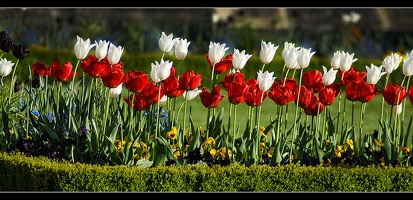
(21, 173)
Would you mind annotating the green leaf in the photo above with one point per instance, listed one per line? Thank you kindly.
(143, 163)
(49, 131)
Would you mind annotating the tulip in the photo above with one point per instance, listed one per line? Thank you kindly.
(101, 49)
(216, 52)
(136, 81)
(190, 80)
(374, 74)
(211, 99)
(394, 94)
(391, 62)
(62, 74)
(163, 100)
(165, 43)
(290, 59)
(265, 80)
(303, 57)
(267, 52)
(113, 76)
(115, 92)
(353, 17)
(114, 53)
(222, 66)
(160, 71)
(5, 67)
(397, 109)
(181, 48)
(93, 67)
(313, 80)
(82, 48)
(346, 61)
(335, 60)
(190, 94)
(6, 43)
(287, 47)
(408, 66)
(329, 76)
(254, 96)
(240, 59)
(20, 52)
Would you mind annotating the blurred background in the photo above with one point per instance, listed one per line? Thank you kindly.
(368, 32)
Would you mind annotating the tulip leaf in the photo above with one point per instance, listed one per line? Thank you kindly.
(49, 131)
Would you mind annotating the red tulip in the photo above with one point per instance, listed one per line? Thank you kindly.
(315, 107)
(190, 80)
(254, 96)
(93, 67)
(313, 80)
(237, 77)
(62, 74)
(352, 75)
(211, 99)
(305, 97)
(222, 66)
(360, 91)
(328, 93)
(137, 101)
(394, 94)
(40, 68)
(150, 93)
(113, 76)
(136, 81)
(236, 92)
(284, 91)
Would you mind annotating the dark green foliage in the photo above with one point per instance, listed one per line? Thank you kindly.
(21, 173)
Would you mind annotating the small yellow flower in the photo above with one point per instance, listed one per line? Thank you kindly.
(177, 154)
(339, 150)
(271, 151)
(209, 141)
(172, 133)
(262, 129)
(406, 149)
(328, 142)
(349, 142)
(378, 143)
(213, 152)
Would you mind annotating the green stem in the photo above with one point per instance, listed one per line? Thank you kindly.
(12, 80)
(105, 116)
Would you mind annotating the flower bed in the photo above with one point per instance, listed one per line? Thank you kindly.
(90, 118)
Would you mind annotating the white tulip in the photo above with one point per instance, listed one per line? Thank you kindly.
(165, 42)
(114, 53)
(5, 67)
(304, 56)
(101, 49)
(346, 61)
(265, 80)
(391, 62)
(240, 59)
(329, 76)
(335, 60)
(115, 92)
(267, 52)
(374, 74)
(181, 48)
(190, 94)
(82, 48)
(408, 66)
(216, 52)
